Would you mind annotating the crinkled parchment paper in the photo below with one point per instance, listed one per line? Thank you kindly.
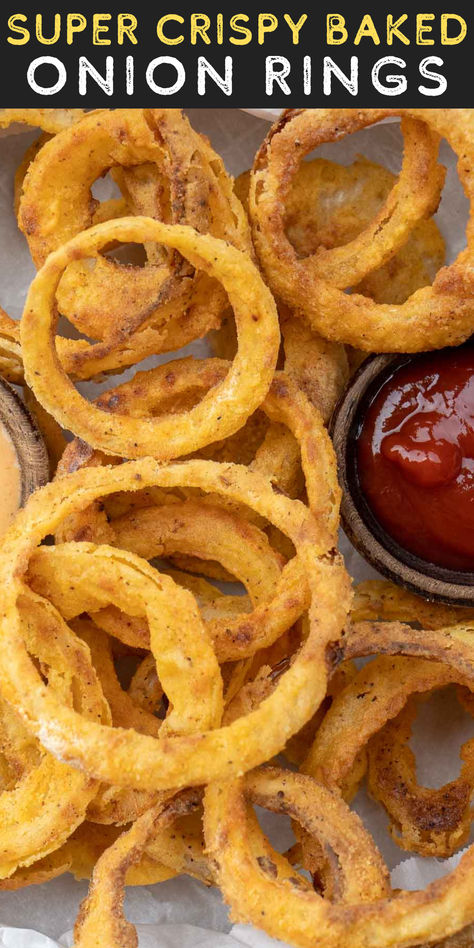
(181, 913)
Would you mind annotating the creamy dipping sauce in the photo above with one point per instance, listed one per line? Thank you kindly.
(10, 480)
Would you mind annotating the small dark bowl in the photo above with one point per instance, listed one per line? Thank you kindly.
(27, 441)
(359, 523)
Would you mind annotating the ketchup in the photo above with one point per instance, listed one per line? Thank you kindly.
(415, 457)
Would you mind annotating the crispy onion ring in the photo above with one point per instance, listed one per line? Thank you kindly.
(153, 532)
(43, 800)
(11, 360)
(29, 155)
(180, 844)
(220, 413)
(389, 682)
(327, 206)
(155, 390)
(356, 869)
(84, 361)
(166, 171)
(115, 805)
(210, 532)
(125, 710)
(159, 142)
(318, 366)
(431, 822)
(306, 801)
(213, 606)
(102, 910)
(427, 821)
(145, 689)
(433, 316)
(414, 197)
(82, 577)
(50, 120)
(444, 908)
(449, 816)
(330, 204)
(182, 847)
(279, 791)
(377, 599)
(139, 760)
(289, 449)
(50, 867)
(143, 531)
(85, 847)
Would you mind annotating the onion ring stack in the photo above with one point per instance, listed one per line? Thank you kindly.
(143, 700)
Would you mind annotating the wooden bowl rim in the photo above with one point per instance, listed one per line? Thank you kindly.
(27, 440)
(367, 536)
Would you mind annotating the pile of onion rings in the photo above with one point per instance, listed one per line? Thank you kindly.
(143, 699)
(433, 316)
(165, 171)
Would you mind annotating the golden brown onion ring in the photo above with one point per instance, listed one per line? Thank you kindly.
(139, 760)
(378, 694)
(177, 178)
(102, 910)
(239, 637)
(305, 919)
(330, 204)
(220, 413)
(153, 391)
(52, 121)
(415, 195)
(377, 599)
(82, 577)
(85, 847)
(430, 318)
(425, 820)
(43, 800)
(384, 686)
(355, 868)
(11, 360)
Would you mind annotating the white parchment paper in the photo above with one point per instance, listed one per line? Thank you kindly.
(181, 913)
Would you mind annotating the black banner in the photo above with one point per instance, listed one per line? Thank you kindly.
(274, 56)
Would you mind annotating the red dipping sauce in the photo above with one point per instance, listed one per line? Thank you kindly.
(415, 457)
